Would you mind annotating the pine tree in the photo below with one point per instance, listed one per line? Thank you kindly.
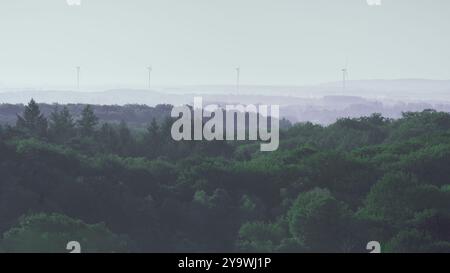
(61, 124)
(32, 122)
(153, 139)
(87, 122)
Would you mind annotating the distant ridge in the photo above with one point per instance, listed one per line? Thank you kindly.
(398, 90)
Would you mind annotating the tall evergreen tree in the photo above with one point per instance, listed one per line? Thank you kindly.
(152, 139)
(87, 122)
(32, 122)
(61, 124)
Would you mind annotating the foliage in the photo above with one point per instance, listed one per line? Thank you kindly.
(50, 233)
(327, 189)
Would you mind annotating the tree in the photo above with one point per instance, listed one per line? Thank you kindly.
(153, 130)
(390, 199)
(260, 237)
(50, 233)
(152, 139)
(32, 122)
(251, 207)
(410, 241)
(125, 138)
(87, 122)
(61, 125)
(108, 138)
(212, 217)
(318, 220)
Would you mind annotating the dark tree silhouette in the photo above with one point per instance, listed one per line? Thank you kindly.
(32, 122)
(62, 125)
(87, 122)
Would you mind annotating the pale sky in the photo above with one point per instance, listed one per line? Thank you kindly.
(189, 42)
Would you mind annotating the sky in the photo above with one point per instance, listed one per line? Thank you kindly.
(201, 42)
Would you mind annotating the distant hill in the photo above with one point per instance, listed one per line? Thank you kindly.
(404, 90)
(401, 89)
(321, 104)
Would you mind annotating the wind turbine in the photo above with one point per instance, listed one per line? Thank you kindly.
(78, 77)
(149, 76)
(238, 75)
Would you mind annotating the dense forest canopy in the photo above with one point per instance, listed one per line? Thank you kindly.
(73, 177)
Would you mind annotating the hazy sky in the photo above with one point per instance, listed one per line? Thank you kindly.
(279, 42)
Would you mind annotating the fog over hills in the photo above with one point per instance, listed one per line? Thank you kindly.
(322, 103)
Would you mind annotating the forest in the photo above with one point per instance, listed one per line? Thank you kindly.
(70, 176)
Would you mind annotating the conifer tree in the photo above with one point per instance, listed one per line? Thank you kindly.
(87, 122)
(32, 122)
(61, 124)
